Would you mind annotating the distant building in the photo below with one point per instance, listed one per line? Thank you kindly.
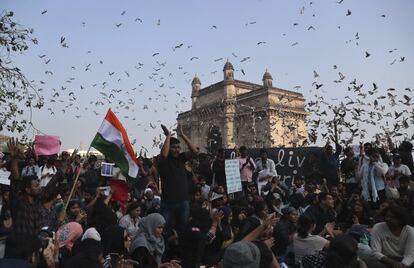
(82, 153)
(233, 113)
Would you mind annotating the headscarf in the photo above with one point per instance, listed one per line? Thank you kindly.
(146, 238)
(68, 234)
(91, 233)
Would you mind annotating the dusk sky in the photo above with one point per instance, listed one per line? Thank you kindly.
(112, 44)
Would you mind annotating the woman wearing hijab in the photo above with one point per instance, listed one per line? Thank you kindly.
(148, 246)
(66, 236)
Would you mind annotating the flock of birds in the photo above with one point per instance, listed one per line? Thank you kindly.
(364, 105)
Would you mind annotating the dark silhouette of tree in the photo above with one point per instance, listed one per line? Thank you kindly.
(17, 93)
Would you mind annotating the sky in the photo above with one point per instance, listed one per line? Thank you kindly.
(113, 46)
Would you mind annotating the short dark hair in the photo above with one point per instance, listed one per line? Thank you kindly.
(174, 141)
(343, 252)
(304, 224)
(399, 212)
(243, 149)
(27, 182)
(323, 196)
(262, 151)
(132, 206)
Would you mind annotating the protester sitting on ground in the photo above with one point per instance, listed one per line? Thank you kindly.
(261, 236)
(304, 243)
(75, 213)
(130, 221)
(67, 236)
(323, 214)
(343, 253)
(148, 246)
(284, 231)
(393, 240)
(87, 253)
(115, 243)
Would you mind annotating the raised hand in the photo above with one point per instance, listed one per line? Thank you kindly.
(14, 149)
(218, 215)
(180, 132)
(166, 131)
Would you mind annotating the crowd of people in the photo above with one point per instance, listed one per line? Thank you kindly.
(346, 211)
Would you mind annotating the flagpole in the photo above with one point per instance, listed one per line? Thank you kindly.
(76, 179)
(78, 173)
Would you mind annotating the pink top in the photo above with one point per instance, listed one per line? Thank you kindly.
(246, 171)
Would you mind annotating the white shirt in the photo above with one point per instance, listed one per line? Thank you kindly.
(43, 171)
(130, 225)
(385, 243)
(307, 246)
(402, 169)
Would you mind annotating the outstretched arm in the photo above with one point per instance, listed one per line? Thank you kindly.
(187, 141)
(166, 146)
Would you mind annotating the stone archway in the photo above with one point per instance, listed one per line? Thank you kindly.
(214, 140)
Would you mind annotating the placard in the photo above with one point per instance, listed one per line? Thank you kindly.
(107, 169)
(4, 177)
(46, 145)
(232, 170)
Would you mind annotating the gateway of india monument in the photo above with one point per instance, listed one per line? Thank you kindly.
(233, 113)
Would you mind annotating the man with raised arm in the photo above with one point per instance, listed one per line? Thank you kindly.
(174, 182)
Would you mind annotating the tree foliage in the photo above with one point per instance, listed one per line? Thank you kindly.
(17, 94)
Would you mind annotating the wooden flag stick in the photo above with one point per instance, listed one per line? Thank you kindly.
(76, 179)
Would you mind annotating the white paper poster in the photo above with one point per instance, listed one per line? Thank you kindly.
(233, 180)
(4, 177)
(107, 169)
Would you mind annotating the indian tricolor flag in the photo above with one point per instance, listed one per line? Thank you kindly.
(112, 141)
